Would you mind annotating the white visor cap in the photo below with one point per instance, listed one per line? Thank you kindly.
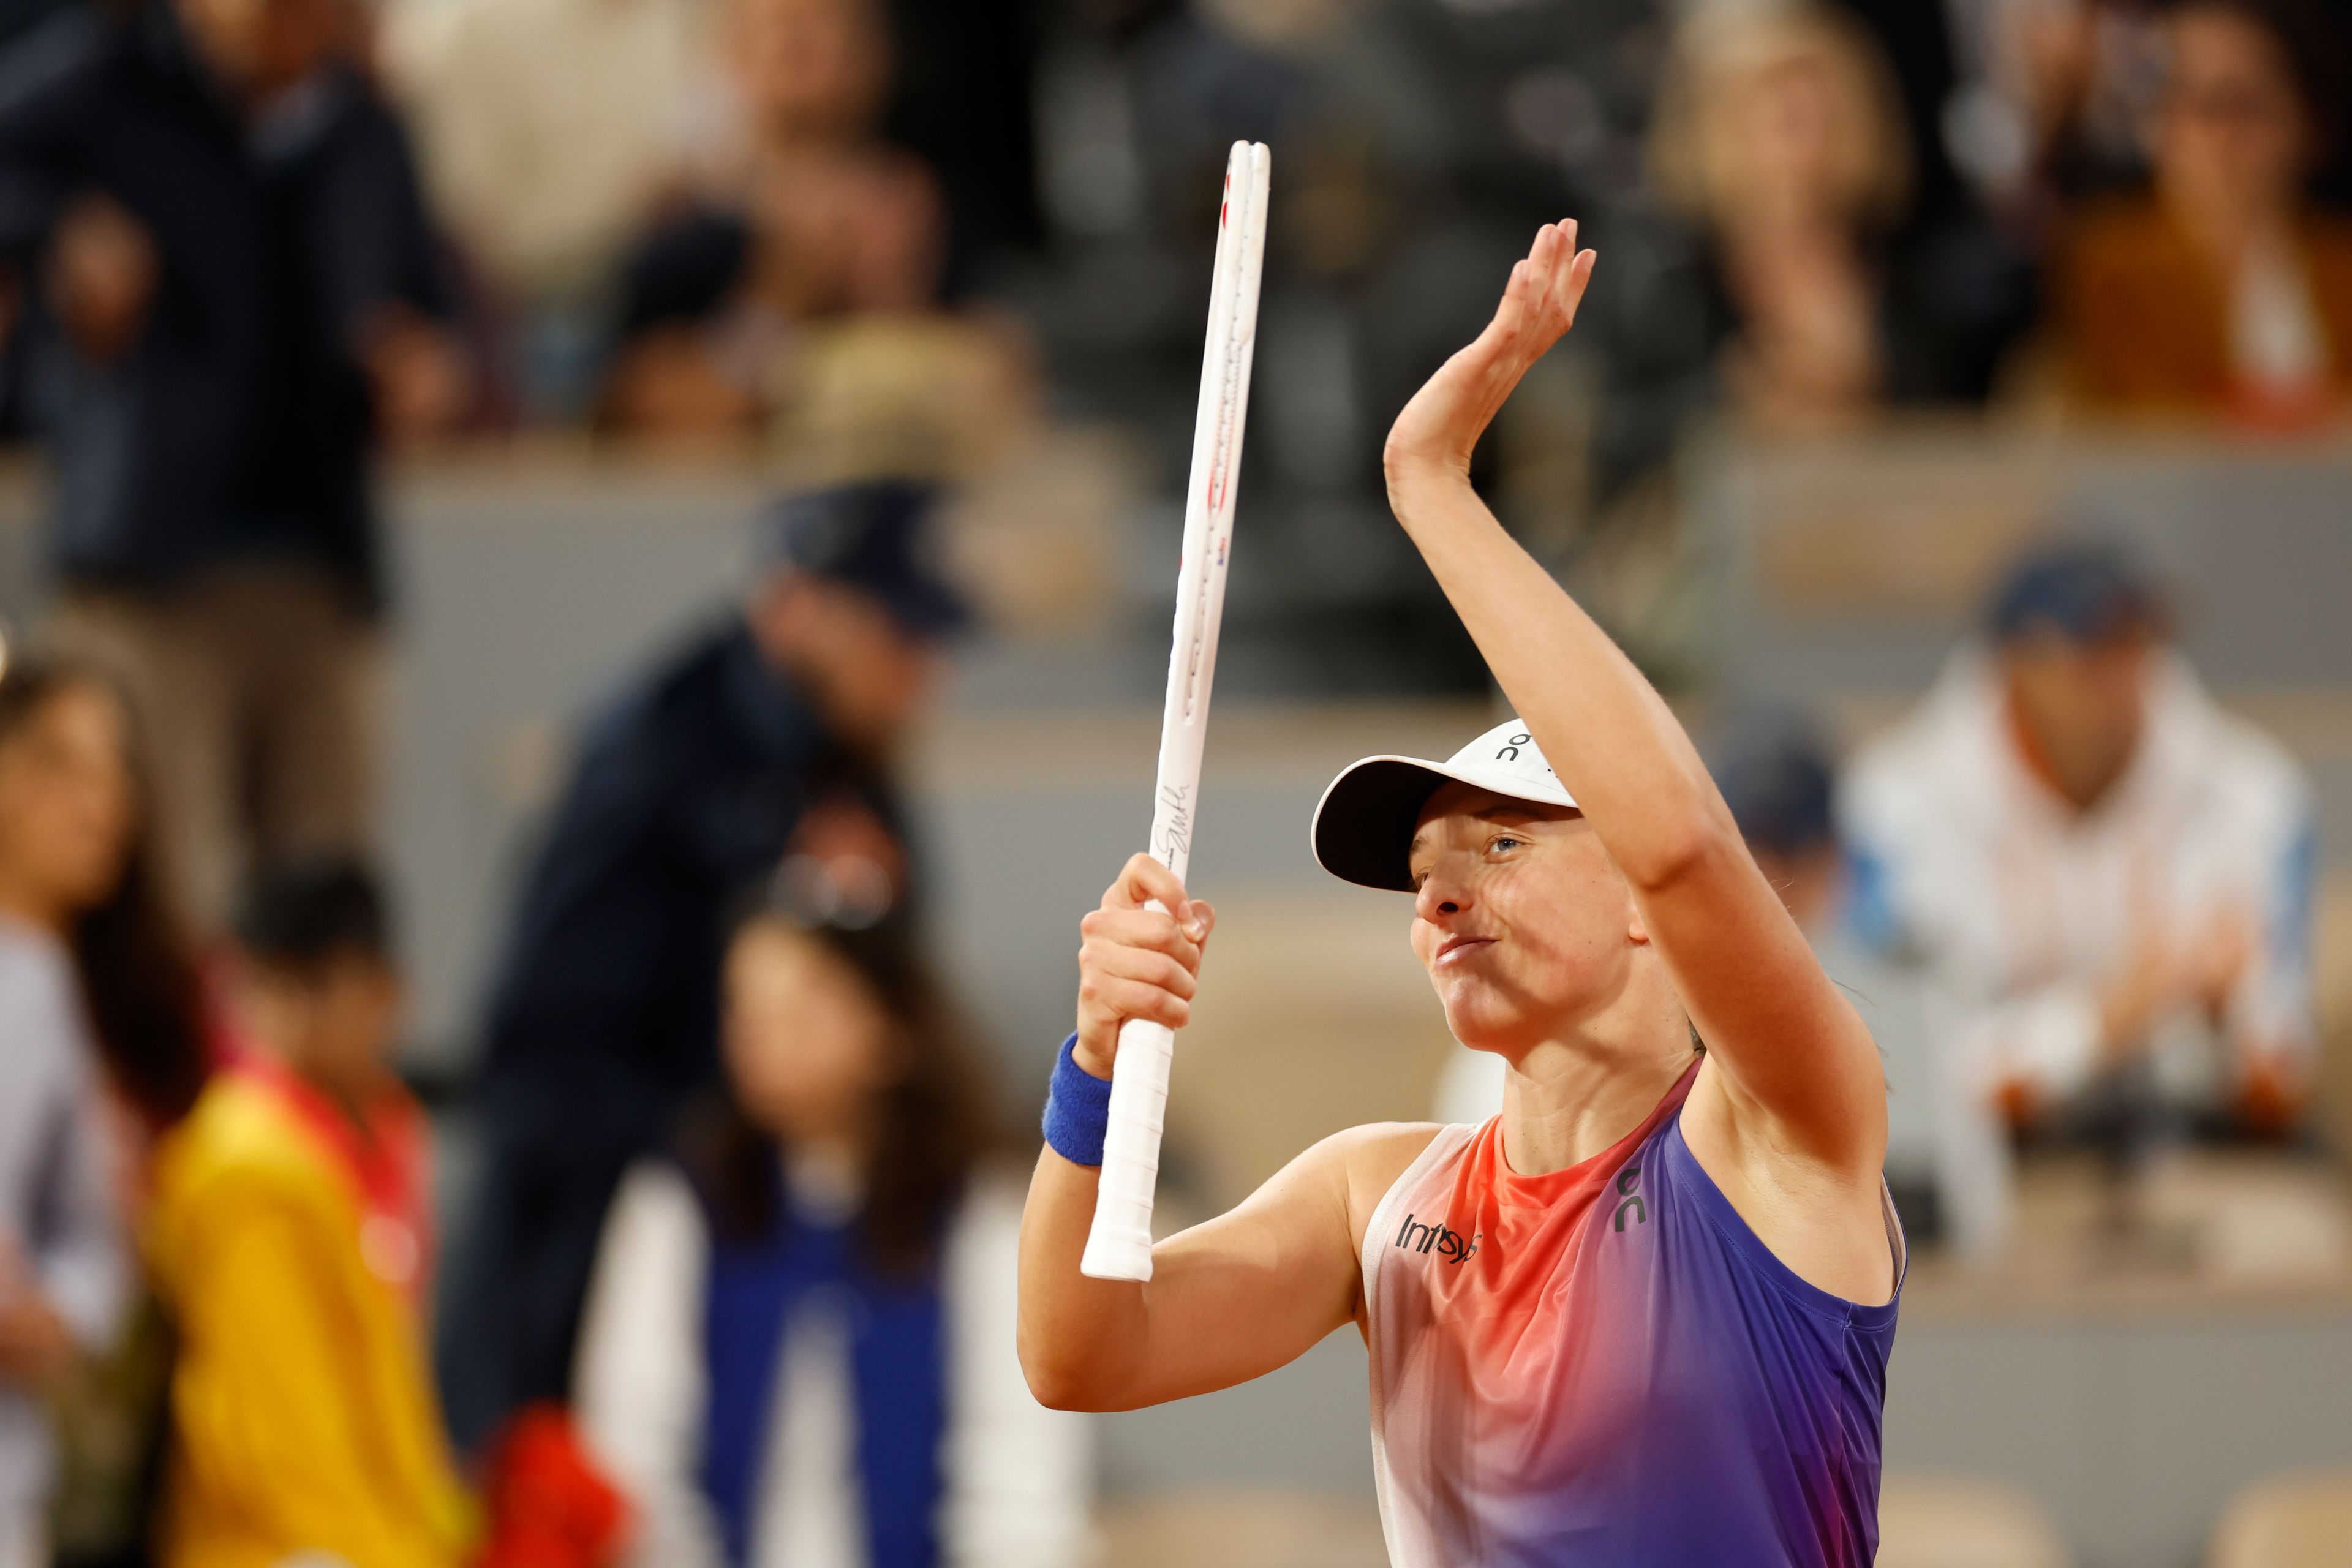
(1364, 823)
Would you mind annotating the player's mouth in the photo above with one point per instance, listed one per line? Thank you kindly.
(1452, 949)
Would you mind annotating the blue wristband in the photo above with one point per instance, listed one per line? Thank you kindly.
(1077, 1108)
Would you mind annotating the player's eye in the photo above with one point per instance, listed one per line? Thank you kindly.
(1506, 842)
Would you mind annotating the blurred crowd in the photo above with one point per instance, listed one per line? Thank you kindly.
(733, 1284)
(251, 242)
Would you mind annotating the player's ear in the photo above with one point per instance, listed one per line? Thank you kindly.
(1636, 931)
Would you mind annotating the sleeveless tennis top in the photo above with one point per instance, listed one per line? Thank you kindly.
(1603, 1367)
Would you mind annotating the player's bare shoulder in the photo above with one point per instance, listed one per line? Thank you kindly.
(1366, 1161)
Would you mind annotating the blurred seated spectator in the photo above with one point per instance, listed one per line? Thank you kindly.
(1780, 134)
(105, 1039)
(82, 824)
(548, 129)
(233, 294)
(2223, 291)
(290, 1241)
(68, 814)
(2050, 101)
(801, 213)
(2108, 878)
(772, 731)
(799, 1346)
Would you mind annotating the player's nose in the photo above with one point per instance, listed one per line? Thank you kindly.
(1444, 894)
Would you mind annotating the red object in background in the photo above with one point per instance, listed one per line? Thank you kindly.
(550, 1505)
(2268, 410)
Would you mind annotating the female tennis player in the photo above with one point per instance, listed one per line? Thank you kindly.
(1641, 1319)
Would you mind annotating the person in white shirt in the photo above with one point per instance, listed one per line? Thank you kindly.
(2109, 878)
(68, 828)
(799, 1346)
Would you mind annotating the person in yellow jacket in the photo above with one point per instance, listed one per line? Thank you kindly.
(288, 1240)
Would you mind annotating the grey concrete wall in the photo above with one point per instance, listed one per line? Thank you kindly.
(2133, 1432)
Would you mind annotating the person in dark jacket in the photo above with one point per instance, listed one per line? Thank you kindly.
(232, 292)
(769, 734)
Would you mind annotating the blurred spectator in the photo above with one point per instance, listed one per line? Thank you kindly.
(2109, 878)
(1760, 272)
(1976, 228)
(19, 17)
(772, 731)
(548, 128)
(962, 99)
(799, 1347)
(1780, 134)
(75, 861)
(803, 213)
(67, 819)
(235, 292)
(2050, 99)
(290, 1241)
(87, 807)
(2223, 289)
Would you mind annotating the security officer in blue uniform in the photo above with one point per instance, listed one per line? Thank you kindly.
(691, 787)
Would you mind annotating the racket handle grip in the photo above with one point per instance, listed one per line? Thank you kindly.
(1118, 1244)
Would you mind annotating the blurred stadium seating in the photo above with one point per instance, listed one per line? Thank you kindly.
(2298, 1522)
(1949, 1522)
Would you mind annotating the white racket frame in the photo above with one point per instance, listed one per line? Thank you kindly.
(1118, 1245)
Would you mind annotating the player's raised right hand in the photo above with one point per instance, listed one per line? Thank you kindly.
(1138, 963)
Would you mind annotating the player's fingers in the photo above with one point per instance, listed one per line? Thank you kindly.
(1203, 921)
(1141, 880)
(1107, 960)
(1109, 999)
(1540, 262)
(1522, 323)
(1558, 262)
(1145, 928)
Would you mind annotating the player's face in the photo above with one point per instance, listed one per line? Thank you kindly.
(1525, 925)
(808, 1047)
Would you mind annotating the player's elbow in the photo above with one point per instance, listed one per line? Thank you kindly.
(1053, 1391)
(1672, 852)
(1053, 1361)
(1057, 1382)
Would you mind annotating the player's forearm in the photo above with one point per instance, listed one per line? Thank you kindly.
(1078, 1337)
(1614, 742)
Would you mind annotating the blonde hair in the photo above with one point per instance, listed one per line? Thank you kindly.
(1729, 45)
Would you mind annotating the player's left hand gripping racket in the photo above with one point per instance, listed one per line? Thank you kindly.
(1118, 1246)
